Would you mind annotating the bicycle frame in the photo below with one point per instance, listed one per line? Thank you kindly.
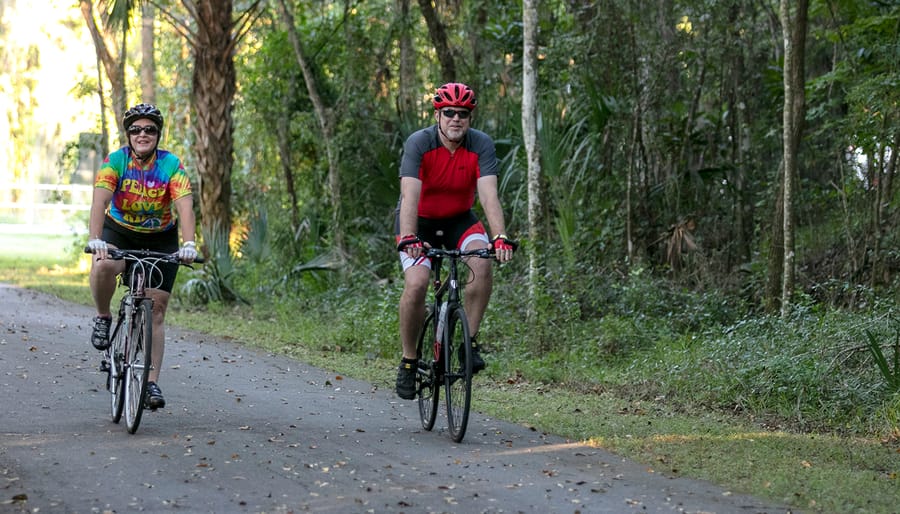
(451, 363)
(129, 354)
(450, 285)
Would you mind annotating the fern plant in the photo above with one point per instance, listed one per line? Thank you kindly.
(214, 282)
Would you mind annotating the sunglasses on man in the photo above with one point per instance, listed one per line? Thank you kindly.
(450, 113)
(150, 130)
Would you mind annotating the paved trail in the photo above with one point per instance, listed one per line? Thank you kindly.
(246, 431)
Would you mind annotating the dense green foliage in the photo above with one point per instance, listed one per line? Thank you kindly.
(660, 137)
(661, 145)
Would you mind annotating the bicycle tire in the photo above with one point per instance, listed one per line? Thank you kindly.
(115, 378)
(137, 362)
(458, 373)
(427, 386)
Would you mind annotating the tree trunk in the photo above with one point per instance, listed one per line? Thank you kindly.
(406, 102)
(636, 164)
(887, 193)
(775, 265)
(794, 34)
(876, 169)
(738, 128)
(213, 89)
(104, 124)
(530, 113)
(884, 170)
(326, 124)
(283, 134)
(213, 36)
(114, 65)
(629, 189)
(439, 39)
(476, 43)
(888, 189)
(148, 60)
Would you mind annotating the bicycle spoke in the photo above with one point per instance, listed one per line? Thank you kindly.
(115, 378)
(129, 357)
(138, 364)
(458, 381)
(451, 369)
(426, 381)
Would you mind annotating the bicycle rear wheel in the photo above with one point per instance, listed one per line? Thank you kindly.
(137, 363)
(427, 386)
(115, 378)
(458, 376)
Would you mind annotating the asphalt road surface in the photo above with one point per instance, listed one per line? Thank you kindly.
(247, 431)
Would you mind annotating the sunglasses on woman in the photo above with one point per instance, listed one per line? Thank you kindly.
(150, 130)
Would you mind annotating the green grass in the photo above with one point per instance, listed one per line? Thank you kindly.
(615, 405)
(45, 262)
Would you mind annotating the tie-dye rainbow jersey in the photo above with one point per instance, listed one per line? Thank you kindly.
(143, 198)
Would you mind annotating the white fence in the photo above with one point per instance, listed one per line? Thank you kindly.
(44, 208)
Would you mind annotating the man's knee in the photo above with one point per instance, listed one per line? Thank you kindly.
(416, 279)
(415, 290)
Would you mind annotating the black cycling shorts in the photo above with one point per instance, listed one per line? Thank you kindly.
(446, 233)
(165, 241)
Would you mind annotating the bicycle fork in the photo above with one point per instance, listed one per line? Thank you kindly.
(439, 334)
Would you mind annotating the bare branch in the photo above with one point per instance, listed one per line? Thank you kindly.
(243, 24)
(182, 28)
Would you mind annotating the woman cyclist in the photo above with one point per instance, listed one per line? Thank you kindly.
(142, 196)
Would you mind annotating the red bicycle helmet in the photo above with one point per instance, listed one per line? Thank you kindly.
(454, 94)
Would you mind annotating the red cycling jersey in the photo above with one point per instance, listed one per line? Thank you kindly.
(448, 180)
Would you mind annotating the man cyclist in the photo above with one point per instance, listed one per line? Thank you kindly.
(137, 192)
(442, 168)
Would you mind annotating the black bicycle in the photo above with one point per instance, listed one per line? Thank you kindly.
(127, 361)
(444, 349)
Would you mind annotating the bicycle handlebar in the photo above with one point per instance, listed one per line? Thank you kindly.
(117, 255)
(484, 253)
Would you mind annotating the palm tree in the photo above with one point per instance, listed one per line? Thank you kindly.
(213, 35)
(110, 52)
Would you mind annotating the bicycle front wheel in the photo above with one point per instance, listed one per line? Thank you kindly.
(137, 363)
(426, 382)
(115, 380)
(458, 376)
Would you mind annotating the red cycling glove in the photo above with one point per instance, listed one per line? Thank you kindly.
(409, 241)
(501, 242)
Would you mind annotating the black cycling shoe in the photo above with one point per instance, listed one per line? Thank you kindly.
(100, 333)
(478, 363)
(406, 379)
(155, 398)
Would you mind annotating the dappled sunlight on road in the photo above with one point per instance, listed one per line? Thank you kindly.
(542, 448)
